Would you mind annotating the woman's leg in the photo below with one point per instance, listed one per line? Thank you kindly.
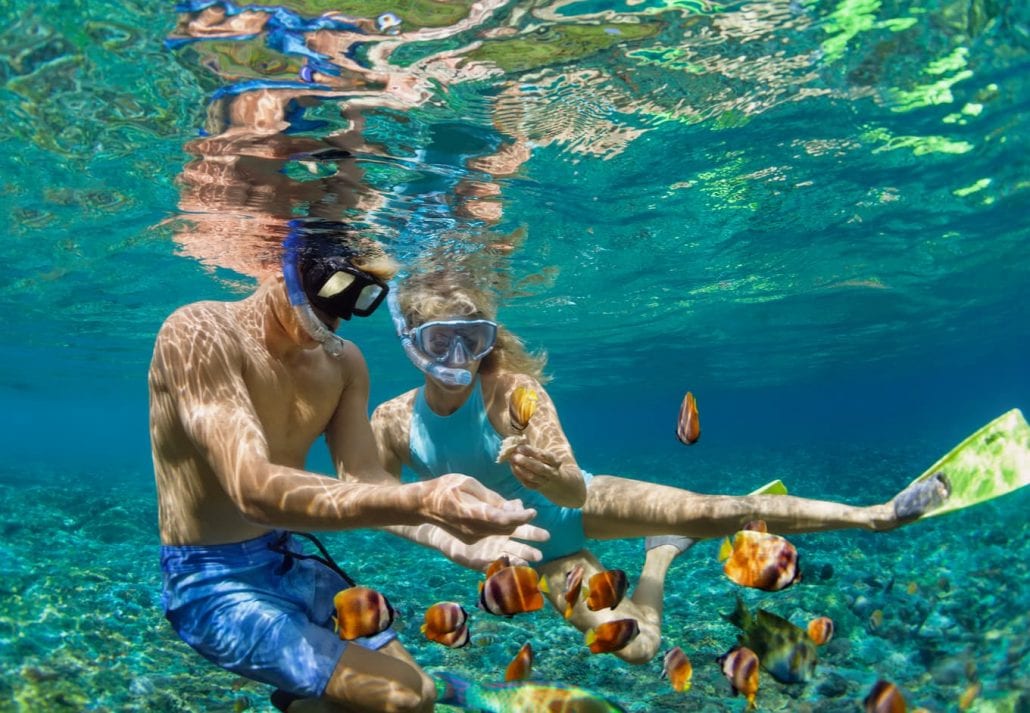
(622, 507)
(642, 648)
(387, 680)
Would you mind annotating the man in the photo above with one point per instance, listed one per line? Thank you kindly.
(239, 391)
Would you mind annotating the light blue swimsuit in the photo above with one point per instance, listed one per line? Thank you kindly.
(466, 442)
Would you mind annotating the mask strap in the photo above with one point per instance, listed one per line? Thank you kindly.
(443, 374)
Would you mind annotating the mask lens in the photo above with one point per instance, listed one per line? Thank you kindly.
(337, 283)
(367, 297)
(438, 339)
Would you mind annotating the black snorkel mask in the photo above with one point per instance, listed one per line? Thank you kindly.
(318, 272)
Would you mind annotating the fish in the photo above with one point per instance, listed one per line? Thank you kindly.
(512, 590)
(965, 701)
(573, 584)
(361, 611)
(521, 665)
(445, 623)
(885, 698)
(606, 589)
(761, 560)
(756, 525)
(688, 429)
(676, 667)
(521, 407)
(497, 565)
(740, 666)
(520, 697)
(820, 630)
(611, 635)
(876, 619)
(784, 650)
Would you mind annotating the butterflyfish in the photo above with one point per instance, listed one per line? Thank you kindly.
(573, 585)
(606, 589)
(688, 429)
(783, 649)
(611, 635)
(445, 623)
(740, 666)
(361, 611)
(521, 665)
(521, 407)
(820, 630)
(761, 560)
(885, 698)
(676, 667)
(497, 565)
(512, 590)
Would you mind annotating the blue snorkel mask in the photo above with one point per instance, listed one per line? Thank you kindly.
(441, 348)
(332, 284)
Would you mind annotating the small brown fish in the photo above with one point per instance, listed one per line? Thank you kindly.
(361, 611)
(876, 619)
(677, 669)
(760, 560)
(612, 635)
(521, 407)
(521, 665)
(442, 620)
(573, 585)
(688, 429)
(512, 590)
(820, 630)
(969, 695)
(606, 589)
(740, 666)
(885, 698)
(756, 526)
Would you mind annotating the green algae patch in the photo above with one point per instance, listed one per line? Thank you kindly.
(413, 13)
(559, 44)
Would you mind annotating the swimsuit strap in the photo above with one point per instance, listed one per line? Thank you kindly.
(279, 546)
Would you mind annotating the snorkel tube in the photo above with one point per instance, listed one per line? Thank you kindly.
(444, 374)
(309, 321)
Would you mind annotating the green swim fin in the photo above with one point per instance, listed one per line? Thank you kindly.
(992, 462)
(773, 487)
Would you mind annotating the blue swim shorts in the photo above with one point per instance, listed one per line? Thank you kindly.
(236, 607)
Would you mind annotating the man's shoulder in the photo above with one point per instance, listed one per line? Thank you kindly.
(196, 317)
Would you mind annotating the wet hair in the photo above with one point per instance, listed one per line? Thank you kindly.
(451, 293)
(324, 239)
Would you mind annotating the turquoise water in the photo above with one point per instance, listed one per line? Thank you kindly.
(811, 214)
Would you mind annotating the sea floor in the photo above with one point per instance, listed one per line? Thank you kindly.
(935, 607)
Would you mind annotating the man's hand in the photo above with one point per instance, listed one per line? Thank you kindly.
(468, 510)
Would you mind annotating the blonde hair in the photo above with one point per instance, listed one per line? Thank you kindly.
(448, 293)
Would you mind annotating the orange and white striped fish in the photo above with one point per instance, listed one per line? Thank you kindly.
(612, 635)
(606, 589)
(361, 611)
(512, 590)
(885, 698)
(573, 585)
(521, 665)
(676, 667)
(688, 428)
(445, 623)
(740, 666)
(820, 630)
(760, 560)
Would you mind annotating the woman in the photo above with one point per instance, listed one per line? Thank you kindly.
(456, 421)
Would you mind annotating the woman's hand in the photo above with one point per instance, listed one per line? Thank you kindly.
(480, 555)
(534, 467)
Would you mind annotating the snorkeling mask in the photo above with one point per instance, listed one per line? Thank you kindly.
(330, 283)
(441, 348)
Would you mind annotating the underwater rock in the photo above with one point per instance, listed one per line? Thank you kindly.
(948, 672)
(832, 686)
